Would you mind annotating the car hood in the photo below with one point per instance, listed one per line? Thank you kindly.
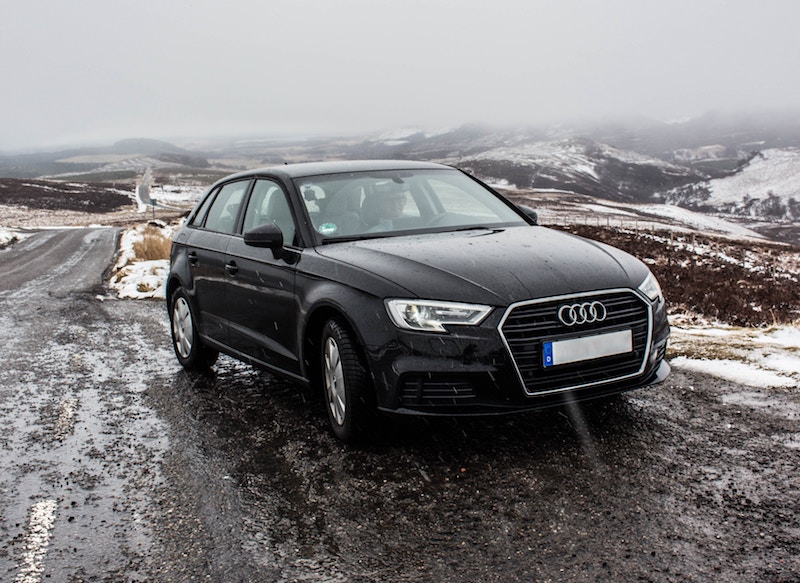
(496, 267)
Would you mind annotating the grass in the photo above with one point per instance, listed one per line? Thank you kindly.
(155, 244)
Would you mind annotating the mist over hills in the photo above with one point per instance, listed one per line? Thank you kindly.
(688, 163)
(87, 160)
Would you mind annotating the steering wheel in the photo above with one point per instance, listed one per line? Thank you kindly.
(438, 219)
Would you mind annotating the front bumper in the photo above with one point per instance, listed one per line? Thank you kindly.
(475, 371)
(449, 397)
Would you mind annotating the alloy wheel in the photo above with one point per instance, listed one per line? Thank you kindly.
(334, 381)
(182, 331)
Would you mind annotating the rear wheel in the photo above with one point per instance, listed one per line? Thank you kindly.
(348, 391)
(190, 350)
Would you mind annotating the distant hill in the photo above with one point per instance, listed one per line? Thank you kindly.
(581, 166)
(767, 186)
(694, 163)
(143, 146)
(94, 160)
(690, 163)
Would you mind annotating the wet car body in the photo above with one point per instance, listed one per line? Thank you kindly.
(314, 286)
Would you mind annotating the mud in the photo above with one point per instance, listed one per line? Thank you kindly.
(686, 482)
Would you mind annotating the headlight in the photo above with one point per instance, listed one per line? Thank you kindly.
(650, 288)
(431, 316)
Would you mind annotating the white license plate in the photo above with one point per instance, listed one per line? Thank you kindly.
(587, 348)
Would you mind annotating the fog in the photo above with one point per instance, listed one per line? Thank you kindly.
(95, 71)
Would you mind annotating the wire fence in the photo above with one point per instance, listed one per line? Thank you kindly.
(637, 224)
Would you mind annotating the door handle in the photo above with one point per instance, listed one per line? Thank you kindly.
(192, 258)
(231, 267)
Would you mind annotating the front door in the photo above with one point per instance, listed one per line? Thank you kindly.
(260, 284)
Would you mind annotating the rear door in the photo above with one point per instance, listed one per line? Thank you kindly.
(261, 299)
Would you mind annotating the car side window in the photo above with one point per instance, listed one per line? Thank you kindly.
(225, 208)
(200, 215)
(268, 204)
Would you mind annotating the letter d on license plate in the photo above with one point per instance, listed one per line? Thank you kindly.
(586, 348)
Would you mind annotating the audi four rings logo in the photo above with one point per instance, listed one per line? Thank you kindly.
(585, 313)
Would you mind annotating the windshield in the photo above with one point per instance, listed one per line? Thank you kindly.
(364, 204)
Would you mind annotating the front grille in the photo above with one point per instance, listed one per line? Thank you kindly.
(526, 326)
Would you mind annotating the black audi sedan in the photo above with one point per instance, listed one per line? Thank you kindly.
(408, 288)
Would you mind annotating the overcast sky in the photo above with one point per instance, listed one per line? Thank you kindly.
(84, 71)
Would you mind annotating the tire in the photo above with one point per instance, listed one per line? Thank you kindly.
(189, 349)
(349, 394)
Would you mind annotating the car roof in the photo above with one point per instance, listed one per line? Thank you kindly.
(306, 169)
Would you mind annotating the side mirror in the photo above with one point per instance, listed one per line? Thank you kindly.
(530, 213)
(269, 235)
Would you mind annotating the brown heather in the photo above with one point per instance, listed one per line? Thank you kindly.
(154, 245)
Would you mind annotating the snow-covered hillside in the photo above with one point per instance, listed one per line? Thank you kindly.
(767, 186)
(578, 156)
(770, 182)
(581, 166)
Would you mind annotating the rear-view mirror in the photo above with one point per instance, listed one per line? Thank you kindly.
(269, 235)
(530, 213)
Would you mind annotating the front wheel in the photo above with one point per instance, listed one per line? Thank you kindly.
(190, 350)
(348, 391)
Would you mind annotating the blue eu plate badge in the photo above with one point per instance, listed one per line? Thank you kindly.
(547, 350)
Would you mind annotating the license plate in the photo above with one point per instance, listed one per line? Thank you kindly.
(587, 348)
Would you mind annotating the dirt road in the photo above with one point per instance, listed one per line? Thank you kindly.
(117, 466)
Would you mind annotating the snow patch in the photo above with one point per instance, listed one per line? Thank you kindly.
(6, 238)
(735, 371)
(786, 337)
(698, 221)
(142, 279)
(136, 279)
(747, 356)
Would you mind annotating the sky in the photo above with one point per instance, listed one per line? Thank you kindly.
(96, 71)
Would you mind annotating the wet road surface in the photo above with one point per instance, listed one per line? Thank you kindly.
(115, 465)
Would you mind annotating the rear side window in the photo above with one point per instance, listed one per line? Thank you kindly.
(225, 208)
(200, 215)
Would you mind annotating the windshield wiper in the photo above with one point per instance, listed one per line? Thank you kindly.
(350, 239)
(478, 228)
